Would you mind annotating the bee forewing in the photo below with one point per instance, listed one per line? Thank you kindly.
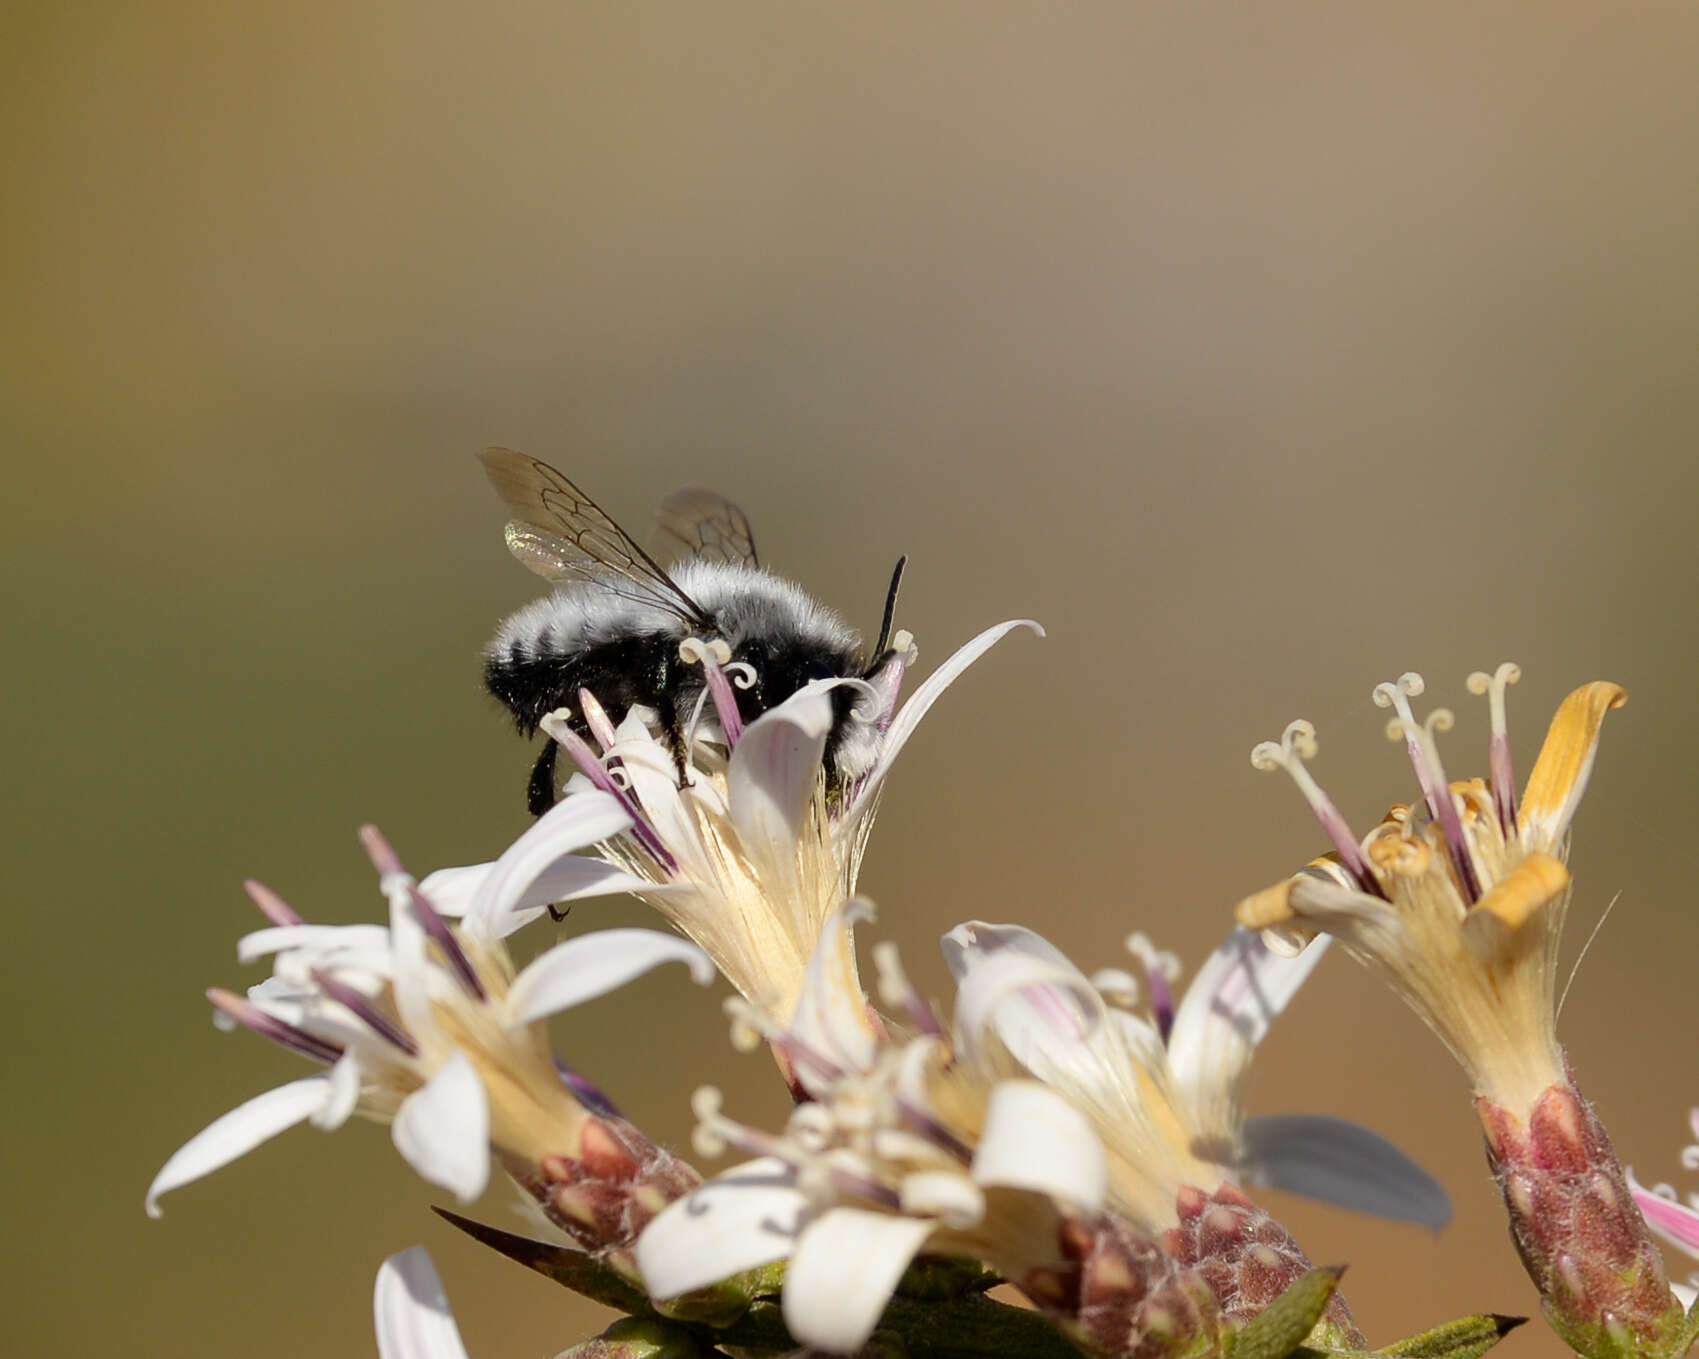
(696, 522)
(558, 531)
(552, 558)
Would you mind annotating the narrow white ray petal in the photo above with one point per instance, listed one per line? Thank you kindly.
(654, 784)
(970, 942)
(1034, 1139)
(343, 1096)
(909, 715)
(442, 1129)
(573, 824)
(1685, 1294)
(574, 877)
(1038, 1010)
(1343, 1164)
(842, 1273)
(410, 1310)
(409, 967)
(312, 939)
(1226, 1012)
(594, 964)
(237, 1133)
(748, 1217)
(831, 1012)
(771, 779)
(453, 890)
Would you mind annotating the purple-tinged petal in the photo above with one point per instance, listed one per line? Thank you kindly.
(772, 778)
(843, 1272)
(908, 717)
(410, 1310)
(1675, 1222)
(442, 1129)
(1036, 1140)
(1014, 985)
(748, 1217)
(576, 823)
(592, 965)
(1343, 1164)
(1226, 1012)
(237, 1133)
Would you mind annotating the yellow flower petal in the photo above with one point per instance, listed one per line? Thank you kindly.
(1265, 909)
(1533, 883)
(1566, 759)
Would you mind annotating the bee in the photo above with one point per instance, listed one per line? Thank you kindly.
(616, 620)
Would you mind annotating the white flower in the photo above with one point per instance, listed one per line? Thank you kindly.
(421, 1026)
(863, 1180)
(410, 1310)
(1458, 900)
(868, 1171)
(749, 858)
(1164, 1093)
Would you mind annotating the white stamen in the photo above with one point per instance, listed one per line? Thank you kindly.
(1117, 986)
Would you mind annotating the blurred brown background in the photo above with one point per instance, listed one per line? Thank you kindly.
(1262, 352)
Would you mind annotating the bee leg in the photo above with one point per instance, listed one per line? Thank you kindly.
(540, 792)
(559, 913)
(675, 738)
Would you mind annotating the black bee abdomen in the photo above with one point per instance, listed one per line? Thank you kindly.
(619, 673)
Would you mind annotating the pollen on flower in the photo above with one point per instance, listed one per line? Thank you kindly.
(1458, 896)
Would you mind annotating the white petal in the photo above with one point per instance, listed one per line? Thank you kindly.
(573, 877)
(442, 1129)
(594, 964)
(237, 1133)
(746, 1218)
(1040, 1011)
(908, 717)
(1685, 1294)
(1344, 1164)
(842, 1273)
(314, 939)
(1036, 1140)
(411, 1312)
(772, 776)
(945, 1194)
(409, 966)
(831, 1012)
(1226, 1012)
(344, 1095)
(575, 823)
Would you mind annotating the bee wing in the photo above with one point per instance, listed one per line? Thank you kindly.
(696, 522)
(561, 534)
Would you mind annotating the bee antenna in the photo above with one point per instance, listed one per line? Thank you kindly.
(890, 607)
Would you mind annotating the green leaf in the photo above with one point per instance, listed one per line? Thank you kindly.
(1461, 1339)
(968, 1326)
(572, 1268)
(640, 1338)
(1279, 1329)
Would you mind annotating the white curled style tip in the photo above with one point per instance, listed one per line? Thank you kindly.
(1494, 686)
(749, 1027)
(708, 1138)
(741, 673)
(697, 651)
(1296, 744)
(1396, 694)
(1408, 730)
